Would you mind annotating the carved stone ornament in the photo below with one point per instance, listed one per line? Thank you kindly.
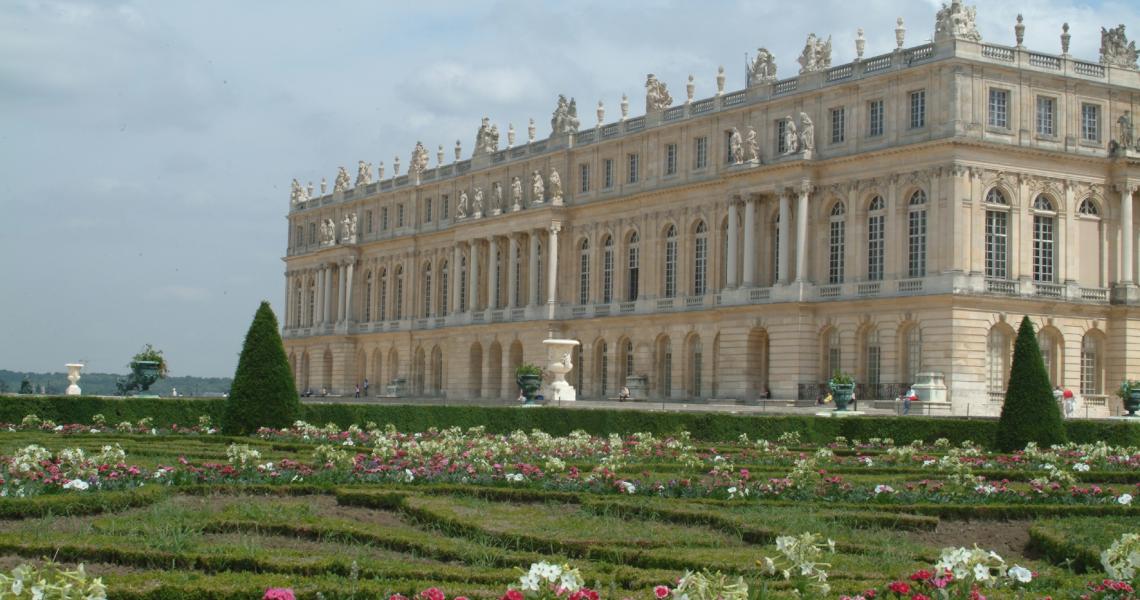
(363, 173)
(752, 144)
(496, 196)
(956, 20)
(341, 184)
(816, 55)
(565, 118)
(763, 67)
(555, 187)
(419, 162)
(461, 206)
(477, 203)
(1116, 50)
(657, 96)
(791, 136)
(537, 188)
(487, 138)
(297, 193)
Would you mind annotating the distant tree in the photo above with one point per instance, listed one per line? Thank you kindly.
(138, 379)
(3, 387)
(263, 393)
(1030, 413)
(26, 386)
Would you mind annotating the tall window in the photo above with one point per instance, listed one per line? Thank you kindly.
(312, 233)
(916, 235)
(700, 259)
(604, 369)
(671, 262)
(838, 124)
(836, 243)
(1044, 224)
(997, 232)
(516, 293)
(781, 129)
(876, 242)
(444, 272)
(632, 171)
(427, 210)
(583, 178)
(312, 301)
(398, 312)
(628, 358)
(427, 290)
(1046, 115)
(776, 249)
(382, 305)
(833, 355)
(384, 218)
(1090, 122)
(697, 367)
(584, 272)
(400, 215)
(299, 235)
(298, 307)
(875, 118)
(1090, 366)
(368, 221)
(579, 368)
(444, 204)
(918, 109)
(997, 360)
(700, 152)
(608, 270)
(999, 108)
(913, 354)
(872, 353)
(670, 159)
(367, 296)
(538, 276)
(462, 284)
(633, 265)
(667, 369)
(494, 297)
(608, 173)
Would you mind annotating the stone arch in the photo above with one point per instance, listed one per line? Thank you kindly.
(475, 370)
(360, 367)
(998, 194)
(419, 375)
(514, 361)
(910, 356)
(625, 359)
(377, 373)
(999, 356)
(327, 370)
(306, 375)
(603, 378)
(663, 366)
(694, 365)
(1052, 344)
(757, 363)
(869, 360)
(1092, 377)
(494, 385)
(393, 365)
(436, 371)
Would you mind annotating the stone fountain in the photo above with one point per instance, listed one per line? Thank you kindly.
(558, 364)
(73, 376)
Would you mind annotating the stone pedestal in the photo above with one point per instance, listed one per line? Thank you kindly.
(638, 387)
(73, 377)
(930, 387)
(558, 362)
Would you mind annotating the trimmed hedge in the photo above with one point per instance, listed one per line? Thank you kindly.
(70, 504)
(711, 427)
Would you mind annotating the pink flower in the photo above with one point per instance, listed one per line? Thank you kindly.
(279, 594)
(512, 595)
(661, 591)
(433, 593)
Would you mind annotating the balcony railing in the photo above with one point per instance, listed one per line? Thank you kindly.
(870, 288)
(1094, 294)
(1002, 286)
(1049, 290)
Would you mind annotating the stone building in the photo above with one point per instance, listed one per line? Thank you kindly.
(894, 215)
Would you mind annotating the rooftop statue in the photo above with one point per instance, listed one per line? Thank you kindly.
(816, 55)
(763, 67)
(419, 162)
(298, 193)
(565, 118)
(341, 183)
(956, 20)
(1115, 49)
(363, 174)
(487, 138)
(657, 96)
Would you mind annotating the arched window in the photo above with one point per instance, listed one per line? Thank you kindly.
(297, 306)
(834, 355)
(912, 354)
(671, 262)
(444, 282)
(1044, 232)
(701, 259)
(1088, 208)
(872, 358)
(916, 235)
(462, 284)
(1052, 349)
(665, 367)
(608, 270)
(633, 264)
(628, 359)
(398, 311)
(1092, 380)
(876, 238)
(836, 243)
(312, 302)
(604, 369)
(584, 272)
(696, 364)
(427, 290)
(997, 362)
(367, 296)
(382, 305)
(997, 236)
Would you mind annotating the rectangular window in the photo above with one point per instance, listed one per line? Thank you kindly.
(584, 277)
(368, 221)
(916, 236)
(671, 268)
(1046, 115)
(583, 178)
(608, 173)
(384, 218)
(997, 231)
(781, 131)
(312, 233)
(728, 147)
(874, 360)
(608, 275)
(632, 174)
(1043, 257)
(444, 207)
(999, 109)
(876, 232)
(298, 236)
(700, 265)
(1090, 122)
(875, 118)
(918, 109)
(399, 215)
(427, 211)
(838, 124)
(837, 248)
(671, 159)
(700, 152)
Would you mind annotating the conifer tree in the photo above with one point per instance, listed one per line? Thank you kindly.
(1030, 412)
(263, 393)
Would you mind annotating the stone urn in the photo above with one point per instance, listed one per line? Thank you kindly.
(529, 380)
(558, 363)
(841, 392)
(1130, 395)
(73, 377)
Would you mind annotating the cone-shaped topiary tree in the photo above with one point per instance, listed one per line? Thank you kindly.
(263, 393)
(1030, 413)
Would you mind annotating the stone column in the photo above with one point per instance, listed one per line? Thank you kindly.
(457, 257)
(532, 270)
(733, 225)
(348, 291)
(749, 241)
(552, 262)
(784, 232)
(473, 272)
(340, 296)
(801, 232)
(1126, 251)
(318, 297)
(326, 300)
(512, 260)
(492, 272)
(288, 312)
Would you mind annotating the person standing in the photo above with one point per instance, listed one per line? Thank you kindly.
(356, 394)
(1070, 403)
(365, 387)
(910, 396)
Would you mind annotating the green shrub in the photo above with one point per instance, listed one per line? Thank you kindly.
(79, 504)
(1030, 413)
(263, 393)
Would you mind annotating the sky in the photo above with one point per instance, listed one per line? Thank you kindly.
(146, 147)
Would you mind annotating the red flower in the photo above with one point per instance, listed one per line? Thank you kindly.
(918, 596)
(433, 593)
(899, 587)
(661, 591)
(279, 594)
(921, 575)
(512, 595)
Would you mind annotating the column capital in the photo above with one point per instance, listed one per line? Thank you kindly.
(555, 227)
(1126, 186)
(806, 187)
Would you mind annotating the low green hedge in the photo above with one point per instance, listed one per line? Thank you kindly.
(712, 427)
(87, 503)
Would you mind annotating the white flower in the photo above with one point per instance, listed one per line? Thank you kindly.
(59, 428)
(76, 484)
(1081, 468)
(628, 487)
(1021, 574)
(981, 572)
(409, 476)
(1124, 499)
(884, 489)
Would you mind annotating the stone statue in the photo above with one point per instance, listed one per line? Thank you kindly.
(477, 204)
(555, 187)
(348, 228)
(563, 121)
(496, 197)
(657, 96)
(380, 171)
(763, 68)
(487, 138)
(458, 150)
(1116, 50)
(510, 135)
(297, 193)
(736, 146)
(956, 21)
(363, 173)
(807, 133)
(530, 132)
(791, 136)
(720, 77)
(439, 156)
(341, 183)
(352, 225)
(601, 113)
(309, 191)
(516, 193)
(324, 186)
(494, 138)
(752, 145)
(1127, 137)
(816, 55)
(624, 107)
(324, 232)
(396, 166)
(419, 162)
(461, 206)
(537, 188)
(574, 114)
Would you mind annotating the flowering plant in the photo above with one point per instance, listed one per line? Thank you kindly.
(801, 560)
(704, 585)
(1122, 559)
(51, 582)
(549, 581)
(279, 594)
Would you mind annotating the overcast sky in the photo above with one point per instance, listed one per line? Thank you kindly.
(146, 148)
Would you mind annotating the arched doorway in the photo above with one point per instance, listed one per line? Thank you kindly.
(664, 362)
(436, 371)
(377, 374)
(495, 370)
(418, 366)
(305, 374)
(516, 360)
(475, 371)
(757, 364)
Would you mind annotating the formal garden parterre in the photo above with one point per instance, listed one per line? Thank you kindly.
(159, 510)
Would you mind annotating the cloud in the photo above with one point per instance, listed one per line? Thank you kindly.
(449, 86)
(178, 293)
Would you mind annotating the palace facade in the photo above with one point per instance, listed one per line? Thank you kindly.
(894, 215)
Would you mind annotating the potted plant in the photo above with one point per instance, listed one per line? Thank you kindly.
(1129, 393)
(529, 379)
(842, 387)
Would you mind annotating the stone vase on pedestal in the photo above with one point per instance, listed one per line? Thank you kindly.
(558, 363)
(73, 377)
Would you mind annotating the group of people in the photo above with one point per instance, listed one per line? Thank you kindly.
(309, 393)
